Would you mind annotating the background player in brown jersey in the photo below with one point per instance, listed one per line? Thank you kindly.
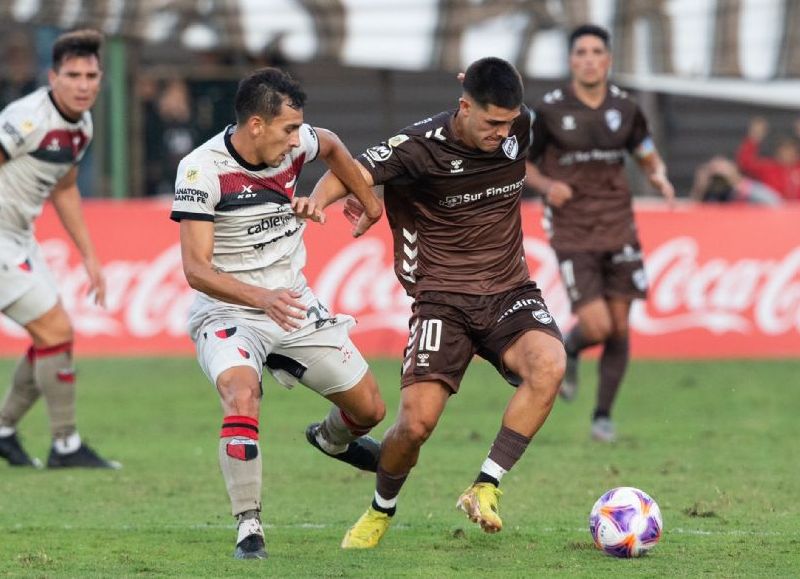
(581, 135)
(452, 188)
(43, 137)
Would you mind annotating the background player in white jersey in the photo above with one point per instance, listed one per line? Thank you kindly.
(242, 247)
(43, 136)
(581, 135)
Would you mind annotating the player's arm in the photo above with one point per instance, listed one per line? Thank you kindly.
(67, 202)
(197, 247)
(345, 176)
(557, 193)
(655, 169)
(330, 189)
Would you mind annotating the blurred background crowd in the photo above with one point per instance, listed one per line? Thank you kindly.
(163, 96)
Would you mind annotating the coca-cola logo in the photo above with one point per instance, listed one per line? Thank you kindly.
(150, 297)
(744, 296)
(143, 298)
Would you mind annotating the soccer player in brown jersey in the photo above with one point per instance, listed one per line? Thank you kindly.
(581, 134)
(452, 186)
(43, 137)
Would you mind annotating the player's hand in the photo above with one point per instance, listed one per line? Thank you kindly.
(558, 194)
(360, 219)
(662, 184)
(306, 208)
(758, 129)
(282, 307)
(97, 281)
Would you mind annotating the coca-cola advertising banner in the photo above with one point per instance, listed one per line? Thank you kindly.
(725, 282)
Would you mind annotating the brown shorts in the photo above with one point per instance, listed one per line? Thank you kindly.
(588, 275)
(447, 329)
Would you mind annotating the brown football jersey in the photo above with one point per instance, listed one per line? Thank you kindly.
(453, 210)
(585, 148)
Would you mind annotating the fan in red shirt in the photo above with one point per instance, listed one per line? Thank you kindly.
(781, 172)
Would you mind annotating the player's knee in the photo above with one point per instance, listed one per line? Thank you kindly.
(51, 329)
(416, 431)
(239, 397)
(371, 415)
(546, 369)
(597, 332)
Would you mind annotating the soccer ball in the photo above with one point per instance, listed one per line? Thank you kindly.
(625, 522)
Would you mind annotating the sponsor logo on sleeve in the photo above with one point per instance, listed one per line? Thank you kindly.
(397, 140)
(189, 194)
(15, 135)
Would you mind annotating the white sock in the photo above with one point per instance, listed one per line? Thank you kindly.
(67, 445)
(328, 447)
(6, 431)
(493, 469)
(385, 503)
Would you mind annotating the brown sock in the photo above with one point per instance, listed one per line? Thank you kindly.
(55, 376)
(575, 341)
(613, 363)
(339, 429)
(387, 487)
(22, 394)
(507, 448)
(240, 461)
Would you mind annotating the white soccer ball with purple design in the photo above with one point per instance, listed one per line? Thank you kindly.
(625, 522)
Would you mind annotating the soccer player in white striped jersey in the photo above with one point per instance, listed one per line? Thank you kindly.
(43, 137)
(241, 229)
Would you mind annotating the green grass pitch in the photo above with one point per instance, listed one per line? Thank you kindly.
(715, 443)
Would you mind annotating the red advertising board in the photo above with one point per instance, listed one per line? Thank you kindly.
(725, 281)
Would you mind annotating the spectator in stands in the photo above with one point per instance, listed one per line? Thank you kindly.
(719, 181)
(170, 135)
(780, 172)
(19, 70)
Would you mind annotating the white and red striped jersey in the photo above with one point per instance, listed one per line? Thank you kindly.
(41, 145)
(256, 235)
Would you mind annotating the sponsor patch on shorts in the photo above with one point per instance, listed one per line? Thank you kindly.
(542, 316)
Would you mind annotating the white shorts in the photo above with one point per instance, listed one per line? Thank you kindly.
(27, 288)
(319, 355)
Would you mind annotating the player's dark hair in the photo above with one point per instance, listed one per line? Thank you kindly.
(589, 30)
(262, 93)
(493, 81)
(78, 43)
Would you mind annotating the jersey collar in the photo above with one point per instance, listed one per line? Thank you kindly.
(236, 156)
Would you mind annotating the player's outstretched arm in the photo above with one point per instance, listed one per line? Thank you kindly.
(557, 193)
(352, 176)
(66, 199)
(197, 246)
(656, 171)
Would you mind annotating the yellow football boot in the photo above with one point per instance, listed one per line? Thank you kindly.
(368, 530)
(480, 503)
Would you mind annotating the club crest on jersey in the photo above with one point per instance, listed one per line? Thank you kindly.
(379, 153)
(613, 119)
(568, 123)
(511, 147)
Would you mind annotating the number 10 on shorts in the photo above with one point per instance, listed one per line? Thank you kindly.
(431, 337)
